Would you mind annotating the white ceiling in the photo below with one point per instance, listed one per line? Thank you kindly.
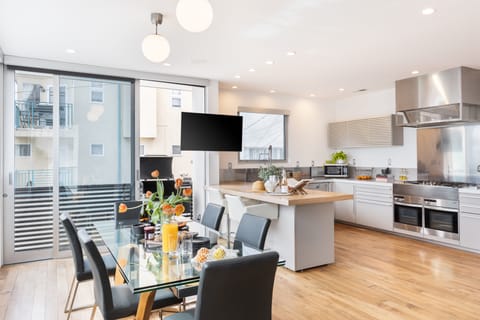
(349, 44)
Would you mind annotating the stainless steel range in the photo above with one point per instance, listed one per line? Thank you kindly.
(428, 209)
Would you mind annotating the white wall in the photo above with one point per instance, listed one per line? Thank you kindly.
(375, 104)
(1, 158)
(307, 126)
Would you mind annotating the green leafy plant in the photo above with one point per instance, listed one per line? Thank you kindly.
(339, 155)
(271, 170)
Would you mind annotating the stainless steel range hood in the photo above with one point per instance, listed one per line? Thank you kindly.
(447, 97)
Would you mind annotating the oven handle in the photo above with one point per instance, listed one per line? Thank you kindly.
(441, 209)
(408, 204)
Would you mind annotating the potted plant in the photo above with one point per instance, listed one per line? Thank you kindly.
(339, 157)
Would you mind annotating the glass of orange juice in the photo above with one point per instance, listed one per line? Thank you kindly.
(169, 237)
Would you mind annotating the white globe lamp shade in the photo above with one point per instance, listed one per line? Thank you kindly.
(194, 15)
(155, 48)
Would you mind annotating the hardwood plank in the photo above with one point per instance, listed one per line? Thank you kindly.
(376, 276)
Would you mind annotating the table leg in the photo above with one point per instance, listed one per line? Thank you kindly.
(145, 305)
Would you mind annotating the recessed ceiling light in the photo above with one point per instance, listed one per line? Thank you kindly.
(269, 62)
(312, 95)
(237, 76)
(234, 87)
(166, 64)
(272, 91)
(341, 89)
(428, 11)
(251, 70)
(415, 72)
(71, 51)
(291, 53)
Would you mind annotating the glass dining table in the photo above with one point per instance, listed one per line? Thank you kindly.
(145, 268)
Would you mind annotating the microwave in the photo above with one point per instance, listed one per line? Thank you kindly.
(336, 170)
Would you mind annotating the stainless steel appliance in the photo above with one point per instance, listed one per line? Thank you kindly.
(428, 209)
(445, 97)
(336, 170)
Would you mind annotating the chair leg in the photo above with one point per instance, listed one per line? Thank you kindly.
(70, 309)
(92, 316)
(69, 295)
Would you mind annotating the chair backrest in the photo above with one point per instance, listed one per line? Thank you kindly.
(246, 286)
(252, 231)
(132, 216)
(75, 246)
(212, 216)
(101, 282)
(236, 208)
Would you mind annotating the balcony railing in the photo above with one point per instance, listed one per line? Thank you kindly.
(39, 115)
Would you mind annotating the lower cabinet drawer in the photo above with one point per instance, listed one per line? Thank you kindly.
(469, 230)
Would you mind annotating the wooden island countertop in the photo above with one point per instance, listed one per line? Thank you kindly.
(244, 189)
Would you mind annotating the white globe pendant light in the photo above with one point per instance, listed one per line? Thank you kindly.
(194, 15)
(155, 47)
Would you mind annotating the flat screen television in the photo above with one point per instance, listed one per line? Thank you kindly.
(210, 132)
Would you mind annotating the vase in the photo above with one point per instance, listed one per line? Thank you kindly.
(169, 236)
(271, 183)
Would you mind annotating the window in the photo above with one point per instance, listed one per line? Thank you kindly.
(96, 149)
(176, 98)
(96, 92)
(263, 128)
(23, 150)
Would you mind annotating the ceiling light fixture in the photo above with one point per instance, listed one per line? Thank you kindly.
(155, 47)
(428, 11)
(415, 72)
(194, 15)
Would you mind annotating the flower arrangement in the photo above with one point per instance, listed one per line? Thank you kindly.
(157, 207)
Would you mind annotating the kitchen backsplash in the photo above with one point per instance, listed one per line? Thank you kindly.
(251, 174)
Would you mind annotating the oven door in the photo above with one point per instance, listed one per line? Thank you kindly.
(441, 222)
(407, 216)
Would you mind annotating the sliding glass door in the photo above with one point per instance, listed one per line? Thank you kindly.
(70, 148)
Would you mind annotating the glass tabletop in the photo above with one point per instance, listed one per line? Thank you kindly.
(143, 264)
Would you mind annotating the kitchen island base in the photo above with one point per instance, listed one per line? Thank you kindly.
(304, 235)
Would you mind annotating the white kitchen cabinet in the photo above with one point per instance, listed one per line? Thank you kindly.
(374, 206)
(365, 133)
(344, 209)
(469, 228)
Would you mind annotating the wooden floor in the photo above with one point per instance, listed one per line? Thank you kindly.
(376, 276)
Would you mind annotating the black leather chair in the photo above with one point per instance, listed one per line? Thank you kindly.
(83, 271)
(132, 216)
(116, 301)
(252, 231)
(235, 289)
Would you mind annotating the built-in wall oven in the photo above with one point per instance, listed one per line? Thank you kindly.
(427, 210)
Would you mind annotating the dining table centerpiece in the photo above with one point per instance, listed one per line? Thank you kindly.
(162, 210)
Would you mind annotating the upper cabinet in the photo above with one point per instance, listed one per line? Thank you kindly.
(371, 132)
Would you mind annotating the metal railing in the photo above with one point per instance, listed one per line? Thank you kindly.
(39, 115)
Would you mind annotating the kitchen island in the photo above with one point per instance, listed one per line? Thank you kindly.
(303, 234)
